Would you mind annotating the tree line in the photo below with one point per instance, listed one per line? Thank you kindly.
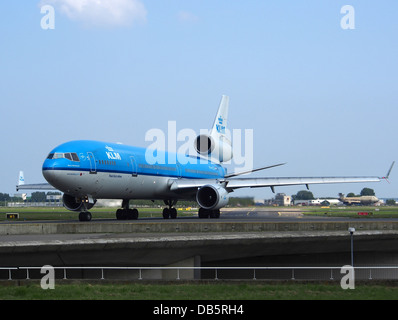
(307, 195)
(35, 197)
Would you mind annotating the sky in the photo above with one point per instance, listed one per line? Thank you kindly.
(318, 96)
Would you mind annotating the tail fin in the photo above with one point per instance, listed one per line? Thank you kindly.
(216, 146)
(21, 179)
(221, 120)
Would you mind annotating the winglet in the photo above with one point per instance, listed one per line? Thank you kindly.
(388, 173)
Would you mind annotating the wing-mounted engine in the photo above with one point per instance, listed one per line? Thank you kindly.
(212, 197)
(77, 204)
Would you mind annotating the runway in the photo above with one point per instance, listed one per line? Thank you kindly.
(236, 215)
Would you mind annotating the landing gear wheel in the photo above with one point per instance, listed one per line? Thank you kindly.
(215, 214)
(127, 214)
(170, 212)
(173, 213)
(212, 214)
(131, 214)
(203, 213)
(119, 214)
(85, 216)
(166, 213)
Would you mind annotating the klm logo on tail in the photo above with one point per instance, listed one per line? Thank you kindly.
(220, 127)
(21, 179)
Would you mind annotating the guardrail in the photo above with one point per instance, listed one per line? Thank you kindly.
(9, 271)
(212, 273)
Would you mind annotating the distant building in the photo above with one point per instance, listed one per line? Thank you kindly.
(317, 202)
(282, 200)
(54, 197)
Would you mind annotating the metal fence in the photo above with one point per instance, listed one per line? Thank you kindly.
(203, 273)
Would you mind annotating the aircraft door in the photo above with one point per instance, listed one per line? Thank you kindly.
(179, 171)
(93, 166)
(133, 166)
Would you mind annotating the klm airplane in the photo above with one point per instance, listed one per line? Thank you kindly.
(86, 171)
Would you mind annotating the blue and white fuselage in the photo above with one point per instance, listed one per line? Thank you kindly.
(115, 171)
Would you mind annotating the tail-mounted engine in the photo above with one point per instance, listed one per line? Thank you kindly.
(212, 197)
(217, 149)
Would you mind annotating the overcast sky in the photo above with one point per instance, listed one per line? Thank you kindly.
(322, 98)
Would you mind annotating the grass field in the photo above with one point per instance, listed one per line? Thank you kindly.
(352, 211)
(202, 291)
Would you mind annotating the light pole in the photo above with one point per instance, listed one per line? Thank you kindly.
(352, 230)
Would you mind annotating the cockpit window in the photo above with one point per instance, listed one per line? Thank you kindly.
(75, 157)
(68, 155)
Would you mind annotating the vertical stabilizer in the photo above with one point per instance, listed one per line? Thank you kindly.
(221, 120)
(217, 146)
(21, 179)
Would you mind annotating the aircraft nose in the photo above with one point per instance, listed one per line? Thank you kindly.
(49, 172)
(50, 176)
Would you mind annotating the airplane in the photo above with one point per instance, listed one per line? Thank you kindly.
(362, 200)
(86, 171)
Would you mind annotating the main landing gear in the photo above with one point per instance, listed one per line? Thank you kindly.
(170, 212)
(126, 213)
(212, 214)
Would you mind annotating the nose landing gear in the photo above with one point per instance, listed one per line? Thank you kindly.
(85, 216)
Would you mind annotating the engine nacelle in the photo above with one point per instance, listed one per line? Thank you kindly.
(212, 197)
(75, 204)
(219, 149)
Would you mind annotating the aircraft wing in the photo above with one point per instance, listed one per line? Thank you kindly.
(237, 183)
(38, 186)
(230, 184)
(290, 181)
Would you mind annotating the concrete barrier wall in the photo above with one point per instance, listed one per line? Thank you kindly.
(189, 227)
